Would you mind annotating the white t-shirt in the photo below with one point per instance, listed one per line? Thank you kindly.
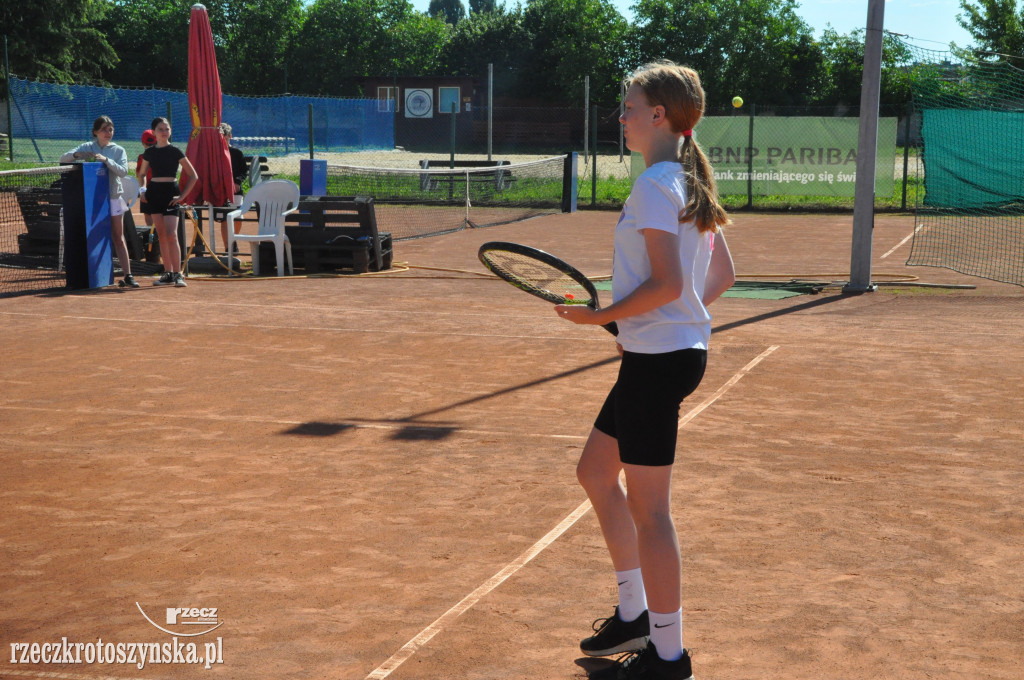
(656, 201)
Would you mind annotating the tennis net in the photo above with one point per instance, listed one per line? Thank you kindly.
(31, 234)
(437, 198)
(971, 216)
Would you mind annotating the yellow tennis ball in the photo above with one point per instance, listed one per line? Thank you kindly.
(737, 102)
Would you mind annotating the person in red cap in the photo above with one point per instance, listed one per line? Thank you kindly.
(148, 140)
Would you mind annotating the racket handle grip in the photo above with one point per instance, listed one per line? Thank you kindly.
(612, 328)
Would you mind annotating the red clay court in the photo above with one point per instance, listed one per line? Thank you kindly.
(373, 476)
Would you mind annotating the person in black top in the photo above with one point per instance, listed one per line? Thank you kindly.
(163, 196)
(239, 171)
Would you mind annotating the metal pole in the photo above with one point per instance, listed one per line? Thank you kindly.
(169, 114)
(10, 116)
(451, 162)
(867, 150)
(750, 157)
(622, 110)
(490, 110)
(451, 144)
(593, 174)
(310, 131)
(586, 118)
(906, 150)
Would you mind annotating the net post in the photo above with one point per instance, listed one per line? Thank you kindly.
(10, 118)
(569, 179)
(311, 131)
(867, 150)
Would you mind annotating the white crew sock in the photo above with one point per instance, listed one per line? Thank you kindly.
(632, 597)
(667, 634)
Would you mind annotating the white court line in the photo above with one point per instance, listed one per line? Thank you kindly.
(425, 635)
(905, 239)
(725, 388)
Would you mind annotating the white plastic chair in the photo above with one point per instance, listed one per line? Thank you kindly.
(129, 190)
(276, 198)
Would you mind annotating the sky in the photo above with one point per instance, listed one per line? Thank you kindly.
(932, 23)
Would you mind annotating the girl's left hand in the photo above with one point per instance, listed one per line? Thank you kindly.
(175, 200)
(99, 157)
(580, 314)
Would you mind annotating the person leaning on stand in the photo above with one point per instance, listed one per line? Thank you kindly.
(115, 159)
(163, 197)
(239, 169)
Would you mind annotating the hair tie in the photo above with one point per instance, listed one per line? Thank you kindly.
(687, 133)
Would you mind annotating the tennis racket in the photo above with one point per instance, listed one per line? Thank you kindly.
(541, 274)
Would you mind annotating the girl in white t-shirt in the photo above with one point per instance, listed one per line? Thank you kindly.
(671, 261)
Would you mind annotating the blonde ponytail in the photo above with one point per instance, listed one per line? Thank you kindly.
(701, 190)
(678, 89)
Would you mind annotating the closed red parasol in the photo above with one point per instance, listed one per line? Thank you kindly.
(207, 149)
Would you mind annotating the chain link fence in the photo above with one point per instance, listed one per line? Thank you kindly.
(766, 158)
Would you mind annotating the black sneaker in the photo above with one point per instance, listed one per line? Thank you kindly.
(166, 279)
(647, 665)
(614, 636)
(179, 280)
(129, 282)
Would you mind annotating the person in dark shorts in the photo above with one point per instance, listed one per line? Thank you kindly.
(671, 261)
(163, 196)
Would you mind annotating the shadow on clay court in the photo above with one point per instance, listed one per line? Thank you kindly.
(779, 312)
(415, 430)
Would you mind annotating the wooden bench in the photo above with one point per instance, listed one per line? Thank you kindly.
(502, 179)
(328, 233)
(40, 208)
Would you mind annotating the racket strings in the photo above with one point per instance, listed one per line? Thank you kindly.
(527, 272)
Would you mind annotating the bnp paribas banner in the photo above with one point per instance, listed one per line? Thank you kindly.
(793, 156)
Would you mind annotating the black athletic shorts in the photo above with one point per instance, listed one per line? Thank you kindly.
(642, 409)
(158, 199)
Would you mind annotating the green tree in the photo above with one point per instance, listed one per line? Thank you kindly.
(487, 38)
(567, 41)
(451, 11)
(59, 40)
(482, 6)
(257, 37)
(151, 38)
(844, 63)
(342, 41)
(417, 46)
(758, 49)
(997, 26)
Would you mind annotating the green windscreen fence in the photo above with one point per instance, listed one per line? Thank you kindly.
(971, 216)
